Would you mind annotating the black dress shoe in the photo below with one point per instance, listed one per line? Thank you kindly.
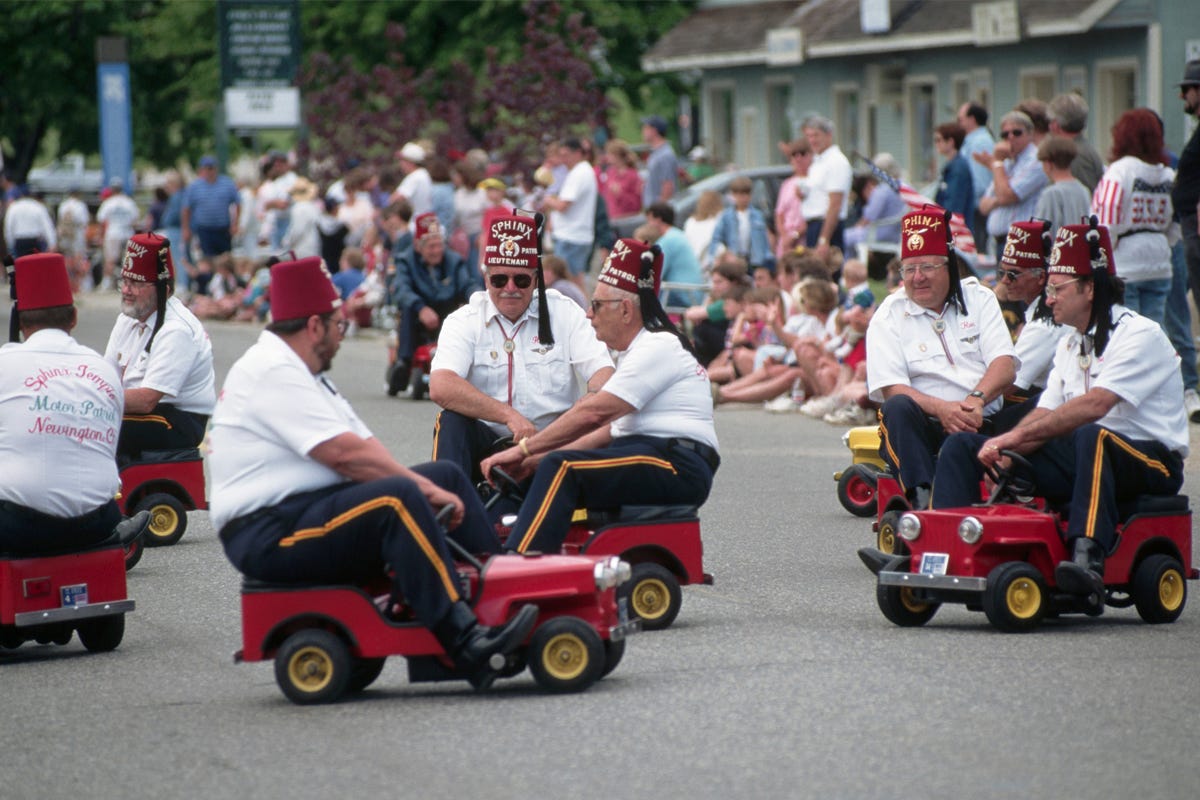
(130, 529)
(481, 651)
(397, 377)
(1083, 575)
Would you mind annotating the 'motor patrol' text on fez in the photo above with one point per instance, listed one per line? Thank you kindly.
(1026, 245)
(147, 259)
(511, 241)
(1072, 253)
(623, 267)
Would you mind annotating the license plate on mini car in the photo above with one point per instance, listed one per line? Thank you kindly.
(934, 563)
(74, 595)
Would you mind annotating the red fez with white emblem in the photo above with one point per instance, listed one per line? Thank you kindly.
(510, 241)
(923, 232)
(628, 262)
(1027, 244)
(426, 225)
(1072, 253)
(147, 258)
(300, 289)
(42, 282)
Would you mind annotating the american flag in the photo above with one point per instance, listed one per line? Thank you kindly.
(964, 240)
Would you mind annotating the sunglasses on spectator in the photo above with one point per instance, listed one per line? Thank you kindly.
(499, 281)
(1011, 134)
(1014, 274)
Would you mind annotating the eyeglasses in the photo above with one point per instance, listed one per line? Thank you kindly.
(596, 304)
(1011, 134)
(910, 270)
(500, 280)
(132, 285)
(1052, 289)
(343, 325)
(1014, 274)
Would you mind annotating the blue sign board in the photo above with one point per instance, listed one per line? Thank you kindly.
(116, 126)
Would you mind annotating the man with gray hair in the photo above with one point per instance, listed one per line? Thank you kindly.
(828, 185)
(1068, 117)
(1017, 178)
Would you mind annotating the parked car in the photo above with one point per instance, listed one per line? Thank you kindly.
(66, 175)
(766, 180)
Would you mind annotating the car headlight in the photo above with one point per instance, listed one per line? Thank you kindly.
(909, 527)
(605, 573)
(846, 439)
(624, 570)
(970, 530)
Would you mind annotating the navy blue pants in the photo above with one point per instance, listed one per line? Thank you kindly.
(909, 441)
(25, 531)
(1079, 468)
(632, 470)
(354, 532)
(466, 442)
(164, 428)
(411, 334)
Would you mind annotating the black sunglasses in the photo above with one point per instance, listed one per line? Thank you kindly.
(1013, 274)
(1012, 134)
(499, 281)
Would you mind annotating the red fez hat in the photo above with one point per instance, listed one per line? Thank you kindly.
(300, 289)
(1072, 253)
(42, 282)
(1027, 244)
(511, 241)
(623, 268)
(147, 258)
(923, 232)
(427, 224)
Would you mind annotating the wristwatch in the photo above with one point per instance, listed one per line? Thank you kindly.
(978, 394)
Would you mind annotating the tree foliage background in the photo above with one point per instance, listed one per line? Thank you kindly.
(375, 73)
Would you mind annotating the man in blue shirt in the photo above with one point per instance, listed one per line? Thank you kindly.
(973, 119)
(661, 166)
(679, 260)
(210, 210)
(1017, 177)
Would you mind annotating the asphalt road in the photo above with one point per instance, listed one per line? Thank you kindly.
(782, 680)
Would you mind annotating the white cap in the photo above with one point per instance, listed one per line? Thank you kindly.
(697, 153)
(413, 152)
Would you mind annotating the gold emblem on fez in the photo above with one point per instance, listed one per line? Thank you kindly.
(916, 241)
(1055, 255)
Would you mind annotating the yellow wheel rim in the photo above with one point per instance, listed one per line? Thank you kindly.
(1023, 598)
(650, 598)
(910, 602)
(310, 669)
(163, 521)
(565, 657)
(1170, 590)
(887, 538)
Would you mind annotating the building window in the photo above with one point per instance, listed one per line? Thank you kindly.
(921, 101)
(720, 123)
(1116, 93)
(779, 119)
(1038, 82)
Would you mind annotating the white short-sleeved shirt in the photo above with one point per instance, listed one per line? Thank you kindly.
(1140, 366)
(120, 213)
(1035, 348)
(668, 389)
(179, 364)
(903, 347)
(578, 223)
(545, 382)
(273, 411)
(60, 418)
(830, 172)
(417, 188)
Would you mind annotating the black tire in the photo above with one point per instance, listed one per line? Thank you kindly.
(886, 538)
(102, 634)
(313, 666)
(900, 606)
(396, 377)
(566, 655)
(363, 672)
(1159, 589)
(133, 553)
(856, 490)
(653, 595)
(613, 653)
(419, 388)
(1016, 597)
(168, 519)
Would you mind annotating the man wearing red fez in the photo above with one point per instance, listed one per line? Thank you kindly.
(495, 375)
(431, 281)
(60, 416)
(302, 492)
(1111, 423)
(647, 437)
(939, 355)
(163, 354)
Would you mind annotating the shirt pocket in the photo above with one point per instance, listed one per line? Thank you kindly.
(489, 372)
(549, 372)
(925, 356)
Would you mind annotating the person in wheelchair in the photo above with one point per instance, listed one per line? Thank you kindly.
(1110, 424)
(506, 366)
(939, 355)
(646, 438)
(60, 417)
(304, 493)
(430, 282)
(162, 353)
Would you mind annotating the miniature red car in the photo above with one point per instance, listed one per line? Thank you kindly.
(168, 484)
(48, 598)
(418, 375)
(330, 640)
(856, 485)
(1000, 558)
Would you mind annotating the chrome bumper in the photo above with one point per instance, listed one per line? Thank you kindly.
(72, 613)
(918, 581)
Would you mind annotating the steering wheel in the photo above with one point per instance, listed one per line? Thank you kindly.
(506, 484)
(1012, 482)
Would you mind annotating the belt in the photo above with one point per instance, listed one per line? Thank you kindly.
(235, 525)
(710, 455)
(1140, 230)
